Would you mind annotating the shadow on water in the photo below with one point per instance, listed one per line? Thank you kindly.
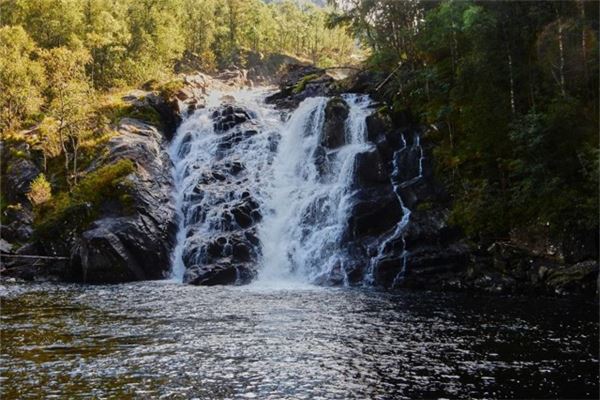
(163, 340)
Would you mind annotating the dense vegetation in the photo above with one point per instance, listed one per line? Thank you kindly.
(509, 87)
(64, 64)
(512, 90)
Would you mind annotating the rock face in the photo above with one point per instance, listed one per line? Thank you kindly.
(300, 82)
(334, 132)
(121, 247)
(19, 172)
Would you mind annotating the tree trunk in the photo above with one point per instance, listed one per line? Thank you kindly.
(581, 7)
(75, 146)
(511, 78)
(561, 49)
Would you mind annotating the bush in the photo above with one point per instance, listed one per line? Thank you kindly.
(116, 110)
(39, 191)
(169, 89)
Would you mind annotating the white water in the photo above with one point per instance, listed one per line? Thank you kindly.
(195, 152)
(304, 210)
(400, 230)
(307, 211)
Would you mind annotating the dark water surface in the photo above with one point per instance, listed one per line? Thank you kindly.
(164, 340)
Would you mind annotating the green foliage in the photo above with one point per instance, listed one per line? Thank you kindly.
(132, 41)
(21, 78)
(73, 211)
(512, 88)
(169, 89)
(302, 83)
(40, 191)
(117, 110)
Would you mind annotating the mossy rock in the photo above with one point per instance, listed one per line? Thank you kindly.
(577, 278)
(301, 84)
(169, 89)
(68, 212)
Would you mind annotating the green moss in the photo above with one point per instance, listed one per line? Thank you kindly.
(114, 112)
(299, 87)
(169, 89)
(74, 211)
(17, 153)
(3, 207)
(425, 206)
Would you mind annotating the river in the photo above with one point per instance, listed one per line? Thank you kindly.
(167, 340)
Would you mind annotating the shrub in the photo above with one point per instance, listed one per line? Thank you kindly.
(39, 190)
(169, 89)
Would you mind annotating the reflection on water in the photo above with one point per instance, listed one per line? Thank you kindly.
(164, 340)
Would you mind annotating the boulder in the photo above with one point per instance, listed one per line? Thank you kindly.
(19, 172)
(300, 82)
(369, 169)
(373, 212)
(578, 278)
(334, 125)
(229, 116)
(378, 124)
(219, 274)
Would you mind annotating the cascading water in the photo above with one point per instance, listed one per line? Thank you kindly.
(218, 171)
(308, 203)
(400, 179)
(261, 197)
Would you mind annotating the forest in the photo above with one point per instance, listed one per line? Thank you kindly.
(64, 63)
(511, 87)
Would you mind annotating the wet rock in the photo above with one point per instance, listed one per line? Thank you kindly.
(579, 278)
(373, 212)
(246, 212)
(121, 246)
(322, 161)
(378, 125)
(300, 82)
(369, 169)
(210, 275)
(334, 125)
(229, 116)
(219, 274)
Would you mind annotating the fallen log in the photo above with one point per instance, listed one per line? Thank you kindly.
(2, 255)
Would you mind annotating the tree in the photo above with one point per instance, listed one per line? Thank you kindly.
(157, 40)
(51, 23)
(48, 140)
(21, 78)
(70, 98)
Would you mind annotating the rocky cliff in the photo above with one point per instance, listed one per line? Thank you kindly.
(395, 180)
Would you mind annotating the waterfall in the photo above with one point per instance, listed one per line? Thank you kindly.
(399, 181)
(257, 190)
(308, 204)
(215, 171)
